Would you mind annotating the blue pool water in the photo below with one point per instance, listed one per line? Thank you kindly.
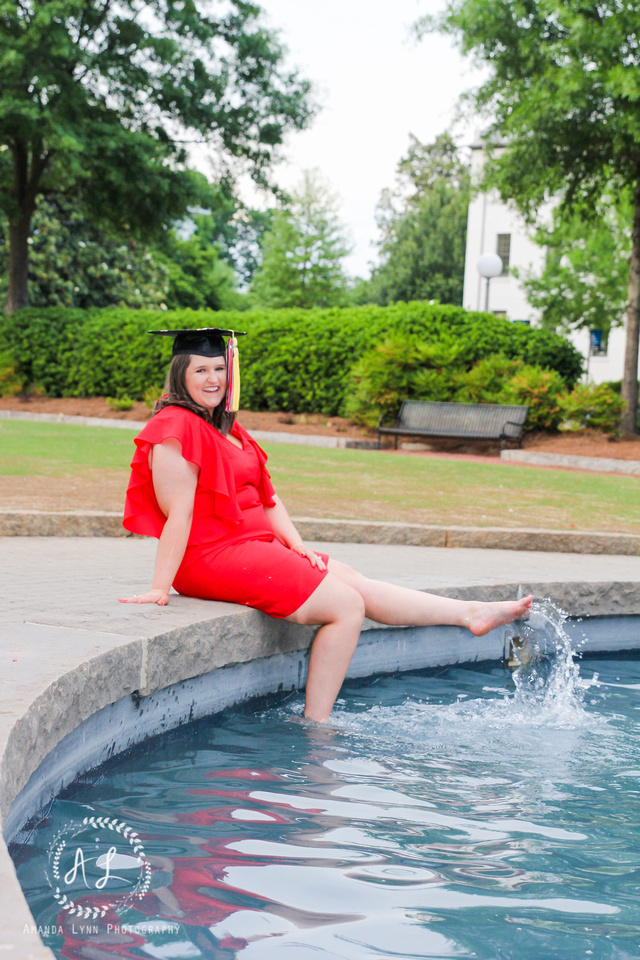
(466, 812)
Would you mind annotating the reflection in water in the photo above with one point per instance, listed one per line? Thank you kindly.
(468, 812)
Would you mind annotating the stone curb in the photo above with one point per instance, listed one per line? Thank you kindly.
(594, 464)
(86, 523)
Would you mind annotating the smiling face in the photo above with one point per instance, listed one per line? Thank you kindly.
(206, 381)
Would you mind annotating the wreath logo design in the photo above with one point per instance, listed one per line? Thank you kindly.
(71, 857)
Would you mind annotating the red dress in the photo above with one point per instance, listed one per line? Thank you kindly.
(232, 553)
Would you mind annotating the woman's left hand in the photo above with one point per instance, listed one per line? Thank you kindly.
(313, 558)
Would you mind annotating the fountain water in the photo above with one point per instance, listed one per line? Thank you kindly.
(463, 811)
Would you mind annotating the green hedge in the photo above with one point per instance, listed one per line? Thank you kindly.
(597, 406)
(392, 371)
(92, 353)
(296, 360)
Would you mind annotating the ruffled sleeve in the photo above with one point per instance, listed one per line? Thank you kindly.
(201, 446)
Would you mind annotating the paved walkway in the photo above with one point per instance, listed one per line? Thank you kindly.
(76, 581)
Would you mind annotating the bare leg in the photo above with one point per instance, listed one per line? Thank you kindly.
(340, 603)
(340, 610)
(389, 603)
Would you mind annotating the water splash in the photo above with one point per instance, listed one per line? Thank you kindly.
(546, 675)
(545, 691)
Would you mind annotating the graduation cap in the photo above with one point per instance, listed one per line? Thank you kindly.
(208, 342)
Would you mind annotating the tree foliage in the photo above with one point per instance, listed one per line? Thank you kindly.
(562, 99)
(423, 227)
(585, 279)
(303, 251)
(74, 264)
(98, 102)
(237, 230)
(197, 277)
(225, 221)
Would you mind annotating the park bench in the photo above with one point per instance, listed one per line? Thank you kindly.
(457, 421)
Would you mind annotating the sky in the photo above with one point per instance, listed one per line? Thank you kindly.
(377, 84)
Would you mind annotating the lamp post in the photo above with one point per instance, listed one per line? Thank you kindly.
(489, 265)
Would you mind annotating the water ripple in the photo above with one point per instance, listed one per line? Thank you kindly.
(467, 812)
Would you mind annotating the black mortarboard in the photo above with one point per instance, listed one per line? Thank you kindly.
(204, 342)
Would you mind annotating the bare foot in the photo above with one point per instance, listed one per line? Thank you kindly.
(487, 616)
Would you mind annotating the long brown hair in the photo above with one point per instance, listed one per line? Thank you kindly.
(175, 394)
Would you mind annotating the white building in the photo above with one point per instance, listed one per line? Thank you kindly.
(497, 227)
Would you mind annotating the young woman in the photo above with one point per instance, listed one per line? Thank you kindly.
(199, 484)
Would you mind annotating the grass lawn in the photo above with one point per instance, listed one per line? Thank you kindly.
(317, 482)
(57, 449)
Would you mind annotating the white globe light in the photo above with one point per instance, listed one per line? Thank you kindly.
(490, 265)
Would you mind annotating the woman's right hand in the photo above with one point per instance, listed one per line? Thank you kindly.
(153, 596)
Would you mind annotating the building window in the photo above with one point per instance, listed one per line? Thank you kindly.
(598, 343)
(499, 313)
(504, 251)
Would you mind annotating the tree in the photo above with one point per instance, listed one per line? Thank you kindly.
(236, 229)
(73, 264)
(303, 252)
(98, 100)
(197, 276)
(585, 277)
(423, 227)
(563, 98)
(241, 238)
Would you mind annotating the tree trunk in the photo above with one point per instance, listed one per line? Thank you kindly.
(19, 231)
(29, 163)
(630, 375)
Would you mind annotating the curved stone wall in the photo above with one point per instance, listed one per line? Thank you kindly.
(104, 691)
